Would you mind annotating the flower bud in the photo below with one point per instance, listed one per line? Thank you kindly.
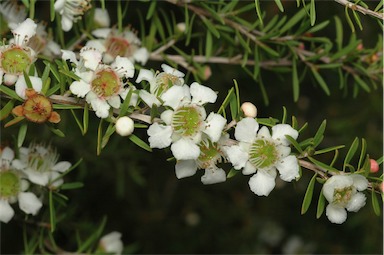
(101, 17)
(249, 109)
(181, 27)
(381, 186)
(374, 166)
(124, 126)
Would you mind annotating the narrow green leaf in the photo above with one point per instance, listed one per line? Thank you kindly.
(269, 50)
(357, 19)
(284, 119)
(349, 20)
(226, 101)
(124, 107)
(258, 11)
(362, 153)
(329, 149)
(362, 84)
(375, 203)
(85, 119)
(320, 205)
(139, 142)
(66, 107)
(318, 27)
(320, 80)
(57, 131)
(21, 135)
(295, 81)
(52, 10)
(151, 10)
(351, 152)
(323, 165)
(211, 27)
(308, 195)
(294, 143)
(232, 173)
(335, 158)
(293, 21)
(6, 110)
(339, 33)
(263, 91)
(10, 92)
(72, 185)
(312, 12)
(319, 134)
(93, 238)
(278, 3)
(208, 44)
(52, 213)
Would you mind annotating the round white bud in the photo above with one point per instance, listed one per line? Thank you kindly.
(181, 27)
(249, 109)
(124, 126)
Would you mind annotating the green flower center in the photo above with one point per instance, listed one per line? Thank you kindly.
(15, 60)
(343, 195)
(187, 120)
(165, 81)
(263, 153)
(106, 83)
(37, 108)
(210, 154)
(9, 184)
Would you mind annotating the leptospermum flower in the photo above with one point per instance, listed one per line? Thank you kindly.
(71, 11)
(40, 164)
(42, 43)
(13, 188)
(17, 56)
(184, 125)
(341, 191)
(261, 153)
(210, 155)
(101, 85)
(159, 82)
(111, 243)
(113, 43)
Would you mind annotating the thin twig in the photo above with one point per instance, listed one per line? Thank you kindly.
(361, 9)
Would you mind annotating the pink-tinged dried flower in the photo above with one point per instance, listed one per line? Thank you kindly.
(36, 108)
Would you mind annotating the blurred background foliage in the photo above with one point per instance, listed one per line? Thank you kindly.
(139, 194)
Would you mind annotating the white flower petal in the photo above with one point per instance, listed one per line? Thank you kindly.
(145, 75)
(10, 79)
(59, 5)
(357, 201)
(264, 133)
(249, 169)
(288, 168)
(96, 44)
(246, 130)
(171, 70)
(280, 130)
(101, 32)
(91, 57)
(141, 55)
(214, 126)
(7, 155)
(101, 108)
(336, 214)
(159, 136)
(112, 243)
(24, 31)
(58, 181)
(101, 17)
(236, 156)
(166, 116)
(40, 178)
(262, 183)
(114, 101)
(62, 166)
(29, 203)
(335, 182)
(185, 149)
(80, 88)
(69, 55)
(21, 85)
(173, 96)
(202, 94)
(213, 175)
(149, 98)
(66, 23)
(6, 211)
(185, 168)
(124, 67)
(359, 181)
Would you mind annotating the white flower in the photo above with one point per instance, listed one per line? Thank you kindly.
(159, 82)
(21, 85)
(261, 153)
(71, 11)
(113, 43)
(101, 85)
(40, 165)
(341, 191)
(13, 188)
(13, 13)
(111, 243)
(17, 56)
(186, 123)
(42, 42)
(101, 17)
(124, 126)
(210, 155)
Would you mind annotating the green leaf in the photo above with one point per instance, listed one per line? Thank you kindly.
(93, 238)
(318, 27)
(10, 92)
(333, 148)
(52, 10)
(320, 80)
(232, 173)
(72, 185)
(85, 119)
(6, 110)
(52, 213)
(151, 10)
(357, 19)
(349, 20)
(258, 11)
(312, 12)
(351, 152)
(294, 143)
(208, 44)
(278, 3)
(323, 165)
(320, 205)
(284, 119)
(293, 21)
(308, 195)
(139, 142)
(21, 135)
(211, 27)
(99, 137)
(339, 33)
(226, 102)
(362, 84)
(319, 134)
(57, 131)
(362, 153)
(295, 81)
(375, 203)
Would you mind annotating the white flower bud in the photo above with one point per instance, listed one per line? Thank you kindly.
(124, 126)
(249, 109)
(181, 27)
(102, 17)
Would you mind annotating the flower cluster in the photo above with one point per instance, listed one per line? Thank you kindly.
(36, 165)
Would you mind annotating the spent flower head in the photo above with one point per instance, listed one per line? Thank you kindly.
(259, 152)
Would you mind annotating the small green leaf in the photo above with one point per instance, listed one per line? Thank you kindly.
(232, 173)
(312, 12)
(21, 135)
(99, 137)
(362, 84)
(93, 238)
(333, 148)
(295, 81)
(139, 142)
(52, 213)
(320, 205)
(319, 134)
(351, 152)
(293, 21)
(339, 33)
(57, 131)
(278, 3)
(85, 119)
(308, 195)
(258, 11)
(10, 92)
(72, 185)
(151, 10)
(294, 143)
(357, 19)
(6, 110)
(318, 27)
(320, 80)
(349, 20)
(362, 153)
(208, 44)
(323, 165)
(211, 27)
(375, 203)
